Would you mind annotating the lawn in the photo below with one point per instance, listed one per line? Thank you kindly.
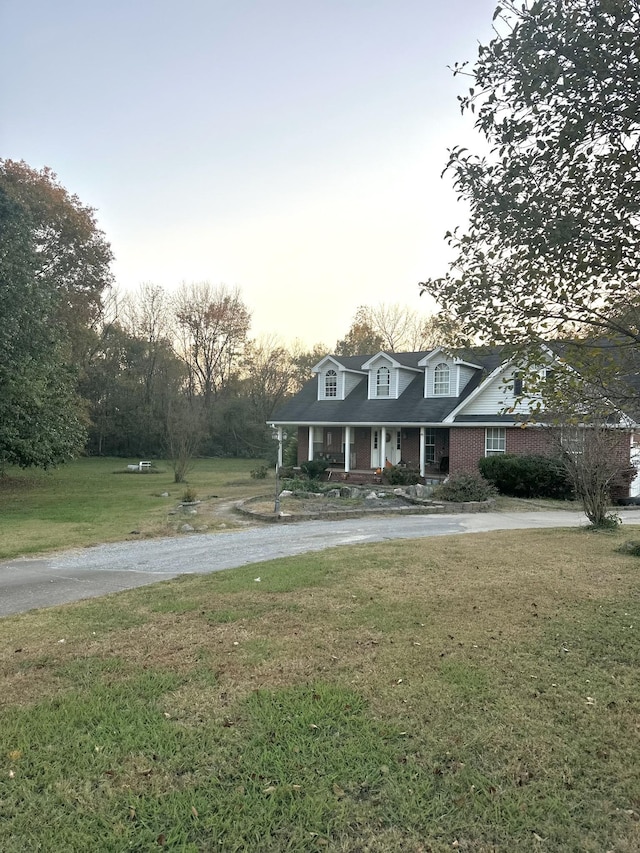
(88, 501)
(475, 693)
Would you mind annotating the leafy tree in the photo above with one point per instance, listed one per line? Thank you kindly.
(41, 417)
(361, 339)
(552, 244)
(72, 255)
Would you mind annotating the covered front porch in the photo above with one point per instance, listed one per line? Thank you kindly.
(352, 449)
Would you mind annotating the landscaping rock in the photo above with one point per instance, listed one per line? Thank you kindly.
(186, 528)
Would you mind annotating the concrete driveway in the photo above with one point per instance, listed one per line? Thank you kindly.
(28, 583)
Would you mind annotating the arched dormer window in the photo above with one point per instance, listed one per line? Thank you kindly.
(382, 382)
(441, 380)
(331, 383)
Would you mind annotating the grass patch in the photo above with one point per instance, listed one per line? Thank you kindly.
(85, 502)
(476, 693)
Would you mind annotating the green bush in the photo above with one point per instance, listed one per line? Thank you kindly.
(259, 473)
(527, 476)
(314, 468)
(465, 487)
(290, 451)
(295, 484)
(189, 495)
(396, 476)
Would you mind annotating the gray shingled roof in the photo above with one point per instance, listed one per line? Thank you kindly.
(410, 408)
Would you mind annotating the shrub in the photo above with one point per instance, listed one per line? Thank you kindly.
(295, 484)
(632, 548)
(314, 468)
(259, 473)
(527, 476)
(396, 476)
(290, 451)
(465, 487)
(189, 495)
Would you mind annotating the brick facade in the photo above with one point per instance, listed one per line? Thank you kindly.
(464, 447)
(467, 445)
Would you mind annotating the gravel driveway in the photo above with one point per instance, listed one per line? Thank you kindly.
(29, 583)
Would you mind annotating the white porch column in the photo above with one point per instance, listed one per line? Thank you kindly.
(423, 435)
(383, 446)
(280, 442)
(310, 452)
(347, 449)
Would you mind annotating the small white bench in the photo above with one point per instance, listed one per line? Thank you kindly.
(144, 466)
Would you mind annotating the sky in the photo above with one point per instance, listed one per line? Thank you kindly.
(290, 148)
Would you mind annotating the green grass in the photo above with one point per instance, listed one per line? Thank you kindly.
(88, 501)
(473, 693)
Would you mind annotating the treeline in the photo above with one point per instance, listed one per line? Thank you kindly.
(177, 373)
(145, 374)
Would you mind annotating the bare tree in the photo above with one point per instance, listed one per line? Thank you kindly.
(269, 374)
(212, 325)
(393, 328)
(596, 461)
(184, 435)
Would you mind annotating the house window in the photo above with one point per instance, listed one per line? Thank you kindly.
(331, 384)
(375, 439)
(382, 382)
(398, 441)
(430, 446)
(441, 380)
(518, 386)
(495, 441)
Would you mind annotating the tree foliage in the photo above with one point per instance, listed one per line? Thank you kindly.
(552, 244)
(212, 323)
(392, 328)
(72, 255)
(53, 264)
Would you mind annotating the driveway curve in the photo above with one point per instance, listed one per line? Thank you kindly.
(29, 583)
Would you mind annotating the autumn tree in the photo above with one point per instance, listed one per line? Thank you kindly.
(73, 255)
(212, 327)
(553, 239)
(361, 337)
(54, 264)
(393, 328)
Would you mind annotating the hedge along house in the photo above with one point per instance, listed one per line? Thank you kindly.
(436, 412)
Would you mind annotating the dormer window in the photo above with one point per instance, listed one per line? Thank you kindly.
(441, 380)
(382, 382)
(331, 383)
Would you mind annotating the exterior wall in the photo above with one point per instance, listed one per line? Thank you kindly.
(411, 447)
(362, 442)
(405, 378)
(497, 396)
(350, 382)
(467, 445)
(464, 375)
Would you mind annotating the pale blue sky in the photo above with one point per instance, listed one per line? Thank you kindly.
(291, 148)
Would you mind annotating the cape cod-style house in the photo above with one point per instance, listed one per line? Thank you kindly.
(436, 412)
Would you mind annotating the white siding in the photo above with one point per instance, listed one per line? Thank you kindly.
(495, 397)
(405, 377)
(350, 382)
(466, 373)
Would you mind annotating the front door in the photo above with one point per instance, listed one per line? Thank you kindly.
(392, 450)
